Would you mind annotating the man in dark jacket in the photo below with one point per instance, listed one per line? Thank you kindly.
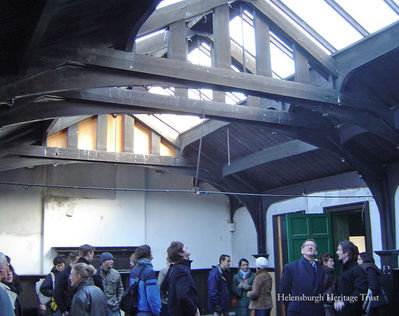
(62, 290)
(180, 286)
(301, 286)
(86, 254)
(219, 287)
(351, 283)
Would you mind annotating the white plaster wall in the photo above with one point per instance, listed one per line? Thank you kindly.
(244, 237)
(199, 221)
(20, 232)
(316, 205)
(135, 218)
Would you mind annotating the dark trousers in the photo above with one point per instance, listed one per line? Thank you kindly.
(164, 310)
(262, 312)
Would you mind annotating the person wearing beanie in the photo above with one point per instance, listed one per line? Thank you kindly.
(302, 284)
(112, 283)
(261, 297)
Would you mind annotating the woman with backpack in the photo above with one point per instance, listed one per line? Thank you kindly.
(149, 300)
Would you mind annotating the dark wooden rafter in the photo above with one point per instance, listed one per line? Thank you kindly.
(177, 47)
(270, 154)
(301, 65)
(40, 29)
(125, 69)
(263, 64)
(84, 155)
(179, 11)
(377, 123)
(128, 133)
(332, 144)
(183, 105)
(383, 189)
(101, 141)
(365, 51)
(221, 46)
(72, 138)
(64, 122)
(202, 130)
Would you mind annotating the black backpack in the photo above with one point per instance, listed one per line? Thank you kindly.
(129, 300)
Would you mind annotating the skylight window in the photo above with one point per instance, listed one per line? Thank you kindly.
(238, 27)
(282, 64)
(165, 3)
(371, 14)
(150, 35)
(326, 21)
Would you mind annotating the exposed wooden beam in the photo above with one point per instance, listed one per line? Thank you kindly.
(177, 47)
(128, 133)
(279, 24)
(102, 123)
(277, 152)
(218, 110)
(15, 162)
(173, 71)
(73, 136)
(179, 11)
(80, 155)
(221, 46)
(41, 27)
(154, 46)
(365, 51)
(155, 143)
(202, 130)
(65, 122)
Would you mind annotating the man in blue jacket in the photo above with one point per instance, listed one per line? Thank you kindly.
(301, 284)
(149, 300)
(219, 287)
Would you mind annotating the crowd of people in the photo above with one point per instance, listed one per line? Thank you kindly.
(308, 286)
(312, 287)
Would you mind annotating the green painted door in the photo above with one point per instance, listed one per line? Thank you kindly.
(301, 227)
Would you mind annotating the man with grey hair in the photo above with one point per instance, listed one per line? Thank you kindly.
(6, 305)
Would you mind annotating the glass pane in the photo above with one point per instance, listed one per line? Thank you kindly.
(371, 14)
(165, 3)
(236, 34)
(180, 123)
(299, 27)
(328, 23)
(282, 65)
